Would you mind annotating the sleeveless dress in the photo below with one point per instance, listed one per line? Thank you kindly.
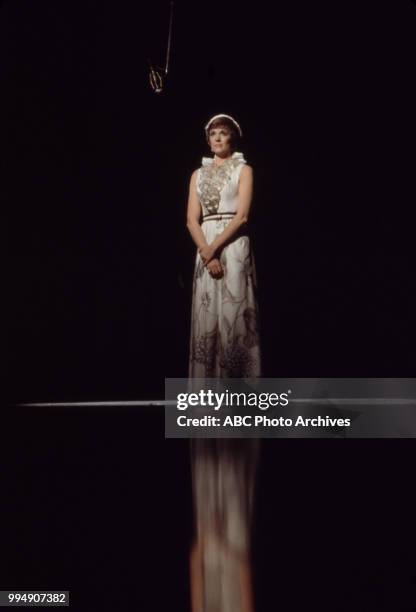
(224, 344)
(224, 326)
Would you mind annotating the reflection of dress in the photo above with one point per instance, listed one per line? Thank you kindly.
(224, 330)
(224, 344)
(223, 476)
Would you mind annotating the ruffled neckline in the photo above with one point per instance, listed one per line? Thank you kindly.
(208, 161)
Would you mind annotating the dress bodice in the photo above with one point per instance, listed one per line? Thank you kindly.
(217, 186)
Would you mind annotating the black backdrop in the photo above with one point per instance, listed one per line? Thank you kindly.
(97, 169)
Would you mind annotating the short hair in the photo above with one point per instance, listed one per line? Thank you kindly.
(235, 139)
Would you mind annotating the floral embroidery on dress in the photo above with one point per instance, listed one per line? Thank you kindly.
(213, 180)
(236, 360)
(205, 300)
(252, 337)
(204, 351)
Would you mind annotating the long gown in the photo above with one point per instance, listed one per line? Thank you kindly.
(224, 344)
(224, 327)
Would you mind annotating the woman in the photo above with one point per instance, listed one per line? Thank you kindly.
(224, 344)
(224, 337)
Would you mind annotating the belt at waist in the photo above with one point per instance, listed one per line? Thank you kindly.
(218, 216)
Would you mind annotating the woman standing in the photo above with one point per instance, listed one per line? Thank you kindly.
(224, 344)
(224, 336)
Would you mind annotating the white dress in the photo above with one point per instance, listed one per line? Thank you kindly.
(224, 326)
(224, 344)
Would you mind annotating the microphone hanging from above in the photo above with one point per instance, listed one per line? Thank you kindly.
(157, 75)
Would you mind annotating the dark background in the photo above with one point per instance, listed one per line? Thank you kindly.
(97, 169)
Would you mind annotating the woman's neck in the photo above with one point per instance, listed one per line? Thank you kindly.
(218, 161)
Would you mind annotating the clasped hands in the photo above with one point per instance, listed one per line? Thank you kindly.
(212, 263)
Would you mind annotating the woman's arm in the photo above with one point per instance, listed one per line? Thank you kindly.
(245, 194)
(194, 215)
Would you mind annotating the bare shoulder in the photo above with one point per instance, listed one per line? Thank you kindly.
(194, 175)
(246, 170)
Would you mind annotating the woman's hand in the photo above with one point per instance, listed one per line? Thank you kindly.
(207, 253)
(215, 268)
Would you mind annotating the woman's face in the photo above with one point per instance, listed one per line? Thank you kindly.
(220, 141)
